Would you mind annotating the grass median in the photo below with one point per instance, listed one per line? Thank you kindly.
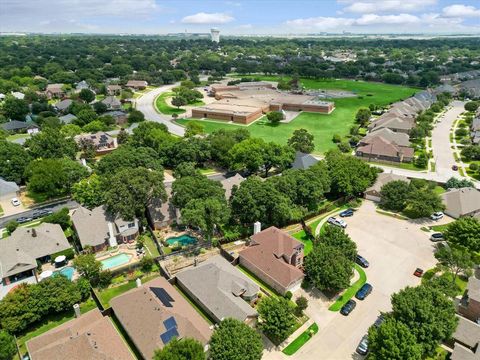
(351, 291)
(296, 344)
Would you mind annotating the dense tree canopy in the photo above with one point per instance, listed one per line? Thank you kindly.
(301, 140)
(51, 144)
(188, 188)
(8, 348)
(13, 161)
(464, 232)
(277, 317)
(183, 349)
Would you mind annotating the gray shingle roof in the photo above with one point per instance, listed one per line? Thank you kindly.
(303, 161)
(19, 252)
(230, 182)
(221, 288)
(462, 201)
(467, 333)
(67, 119)
(18, 125)
(8, 187)
(91, 225)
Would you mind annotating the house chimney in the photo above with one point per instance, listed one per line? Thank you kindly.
(76, 309)
(34, 233)
(138, 282)
(257, 227)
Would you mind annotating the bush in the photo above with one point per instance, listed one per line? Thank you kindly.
(336, 138)
(473, 167)
(104, 279)
(274, 117)
(68, 253)
(288, 295)
(12, 226)
(302, 304)
(146, 264)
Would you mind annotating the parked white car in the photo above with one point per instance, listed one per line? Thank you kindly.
(436, 216)
(15, 202)
(337, 222)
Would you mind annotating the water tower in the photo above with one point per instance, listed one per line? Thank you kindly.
(215, 35)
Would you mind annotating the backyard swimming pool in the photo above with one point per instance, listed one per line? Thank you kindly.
(66, 271)
(182, 240)
(114, 261)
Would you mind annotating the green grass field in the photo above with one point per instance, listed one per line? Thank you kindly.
(296, 344)
(323, 126)
(164, 108)
(351, 291)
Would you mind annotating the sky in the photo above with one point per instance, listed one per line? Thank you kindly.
(240, 16)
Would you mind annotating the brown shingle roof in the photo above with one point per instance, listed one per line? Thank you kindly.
(142, 315)
(378, 146)
(268, 251)
(91, 336)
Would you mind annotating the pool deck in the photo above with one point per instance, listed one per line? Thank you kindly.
(123, 248)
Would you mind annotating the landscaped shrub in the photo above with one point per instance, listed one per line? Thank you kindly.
(68, 253)
(288, 295)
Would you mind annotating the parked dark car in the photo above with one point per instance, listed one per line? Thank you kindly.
(436, 237)
(364, 291)
(348, 307)
(346, 213)
(360, 260)
(41, 213)
(362, 347)
(23, 219)
(418, 272)
(379, 321)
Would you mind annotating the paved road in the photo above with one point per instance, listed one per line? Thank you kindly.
(53, 207)
(442, 151)
(145, 104)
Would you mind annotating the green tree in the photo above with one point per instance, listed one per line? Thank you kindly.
(146, 264)
(88, 267)
(15, 109)
(206, 214)
(363, 116)
(328, 268)
(188, 188)
(422, 202)
(185, 169)
(301, 140)
(51, 178)
(135, 116)
(277, 317)
(94, 126)
(8, 348)
(179, 101)
(60, 217)
(472, 106)
(13, 161)
(194, 128)
(464, 232)
(130, 191)
(51, 144)
(428, 313)
(11, 226)
(302, 304)
(235, 340)
(70, 130)
(183, 349)
(393, 340)
(275, 117)
(456, 260)
(85, 116)
(394, 195)
(471, 152)
(86, 95)
(88, 191)
(338, 238)
(455, 183)
(129, 157)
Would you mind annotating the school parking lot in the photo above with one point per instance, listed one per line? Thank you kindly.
(394, 248)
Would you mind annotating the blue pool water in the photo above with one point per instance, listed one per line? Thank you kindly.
(66, 271)
(182, 240)
(114, 261)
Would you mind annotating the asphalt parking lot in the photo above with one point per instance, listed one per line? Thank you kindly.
(394, 248)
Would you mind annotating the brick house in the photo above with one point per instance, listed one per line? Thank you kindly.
(469, 305)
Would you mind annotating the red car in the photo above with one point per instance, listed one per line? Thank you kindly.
(418, 272)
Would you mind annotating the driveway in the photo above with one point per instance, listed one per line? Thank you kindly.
(442, 151)
(9, 209)
(394, 249)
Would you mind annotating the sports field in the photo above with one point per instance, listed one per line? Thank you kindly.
(322, 126)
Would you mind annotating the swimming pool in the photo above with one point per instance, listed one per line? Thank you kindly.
(66, 271)
(182, 240)
(114, 261)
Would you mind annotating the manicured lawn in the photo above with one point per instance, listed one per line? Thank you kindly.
(296, 344)
(351, 291)
(49, 323)
(324, 126)
(150, 245)
(406, 166)
(302, 236)
(439, 228)
(18, 136)
(108, 294)
(164, 108)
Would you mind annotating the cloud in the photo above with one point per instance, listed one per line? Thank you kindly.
(373, 19)
(326, 23)
(207, 18)
(390, 6)
(462, 11)
(329, 23)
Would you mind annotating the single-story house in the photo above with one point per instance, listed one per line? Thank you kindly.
(55, 91)
(114, 90)
(137, 84)
(378, 148)
(467, 340)
(462, 202)
(469, 305)
(102, 141)
(230, 182)
(63, 105)
(112, 103)
(98, 229)
(16, 126)
(90, 336)
(303, 161)
(162, 213)
(401, 139)
(223, 292)
(121, 117)
(373, 192)
(8, 189)
(155, 313)
(276, 258)
(18, 95)
(67, 119)
(21, 252)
